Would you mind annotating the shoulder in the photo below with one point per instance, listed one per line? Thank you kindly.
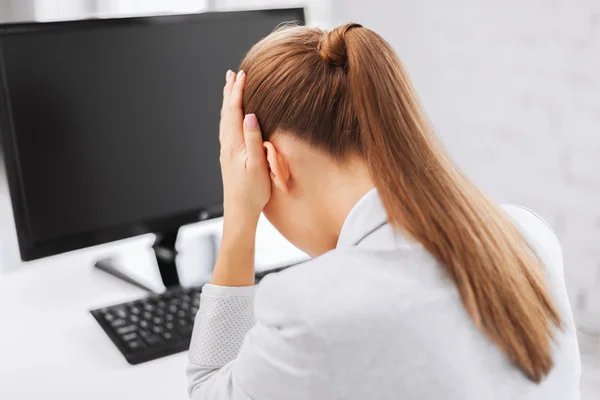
(300, 289)
(537, 232)
(526, 217)
(293, 280)
(333, 286)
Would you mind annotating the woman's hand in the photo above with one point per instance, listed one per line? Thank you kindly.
(246, 180)
(246, 186)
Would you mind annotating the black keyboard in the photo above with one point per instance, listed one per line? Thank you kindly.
(156, 326)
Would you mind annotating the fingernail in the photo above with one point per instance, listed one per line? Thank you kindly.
(241, 74)
(251, 121)
(228, 75)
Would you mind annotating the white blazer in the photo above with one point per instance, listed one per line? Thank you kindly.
(375, 318)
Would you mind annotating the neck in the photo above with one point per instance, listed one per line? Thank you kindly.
(343, 187)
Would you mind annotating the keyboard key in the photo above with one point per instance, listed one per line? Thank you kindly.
(158, 320)
(184, 328)
(149, 307)
(182, 314)
(135, 310)
(134, 318)
(150, 338)
(157, 329)
(182, 322)
(126, 329)
(167, 336)
(118, 322)
(108, 317)
(144, 324)
(147, 315)
(130, 336)
(120, 313)
(173, 308)
(169, 317)
(160, 311)
(169, 326)
(135, 345)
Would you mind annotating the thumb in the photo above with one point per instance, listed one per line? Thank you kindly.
(253, 139)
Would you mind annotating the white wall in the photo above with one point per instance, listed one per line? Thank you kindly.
(9, 251)
(16, 10)
(53, 10)
(513, 88)
(56, 10)
(133, 7)
(317, 11)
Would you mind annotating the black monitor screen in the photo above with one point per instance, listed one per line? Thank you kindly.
(117, 123)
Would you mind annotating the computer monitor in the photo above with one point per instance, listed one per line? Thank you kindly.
(110, 126)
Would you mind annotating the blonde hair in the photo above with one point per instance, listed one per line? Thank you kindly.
(345, 92)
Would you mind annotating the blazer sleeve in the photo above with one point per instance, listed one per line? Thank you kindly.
(248, 345)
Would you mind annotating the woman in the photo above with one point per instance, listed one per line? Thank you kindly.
(420, 286)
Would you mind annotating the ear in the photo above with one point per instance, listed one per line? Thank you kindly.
(278, 167)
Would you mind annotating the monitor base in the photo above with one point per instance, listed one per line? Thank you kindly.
(165, 254)
(108, 266)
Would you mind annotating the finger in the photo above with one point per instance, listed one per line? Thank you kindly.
(229, 81)
(254, 140)
(233, 115)
(237, 91)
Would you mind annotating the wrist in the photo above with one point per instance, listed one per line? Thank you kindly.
(237, 238)
(240, 223)
(235, 262)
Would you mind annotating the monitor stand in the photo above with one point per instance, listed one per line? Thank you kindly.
(166, 256)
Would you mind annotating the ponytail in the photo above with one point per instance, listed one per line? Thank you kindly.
(345, 91)
(499, 280)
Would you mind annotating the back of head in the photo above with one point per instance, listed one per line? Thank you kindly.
(291, 87)
(345, 93)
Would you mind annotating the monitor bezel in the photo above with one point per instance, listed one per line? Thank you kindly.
(31, 249)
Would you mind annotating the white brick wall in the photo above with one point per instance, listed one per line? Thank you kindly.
(513, 88)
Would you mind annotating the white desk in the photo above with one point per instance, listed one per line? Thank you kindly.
(52, 348)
